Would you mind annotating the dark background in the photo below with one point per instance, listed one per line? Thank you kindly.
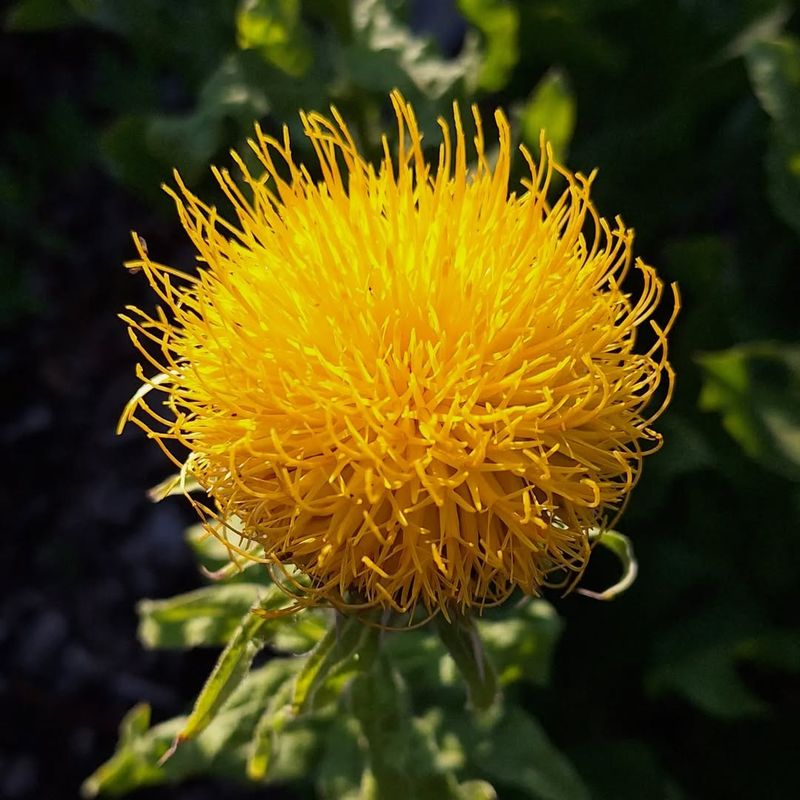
(689, 681)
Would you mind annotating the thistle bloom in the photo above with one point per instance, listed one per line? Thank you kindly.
(408, 383)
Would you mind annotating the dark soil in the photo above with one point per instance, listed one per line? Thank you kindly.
(83, 543)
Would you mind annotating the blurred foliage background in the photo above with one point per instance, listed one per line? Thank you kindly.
(687, 686)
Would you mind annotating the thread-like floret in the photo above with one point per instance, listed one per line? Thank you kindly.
(407, 382)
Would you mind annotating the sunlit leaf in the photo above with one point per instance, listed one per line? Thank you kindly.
(521, 643)
(176, 484)
(347, 648)
(221, 749)
(476, 790)
(238, 88)
(272, 722)
(622, 548)
(134, 724)
(275, 30)
(510, 748)
(418, 656)
(231, 667)
(135, 762)
(385, 54)
(498, 21)
(402, 753)
(550, 108)
(204, 617)
(297, 633)
(213, 556)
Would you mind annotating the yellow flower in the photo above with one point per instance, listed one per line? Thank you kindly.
(408, 383)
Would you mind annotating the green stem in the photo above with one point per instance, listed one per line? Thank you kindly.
(461, 638)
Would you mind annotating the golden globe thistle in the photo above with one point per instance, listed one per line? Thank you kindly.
(406, 382)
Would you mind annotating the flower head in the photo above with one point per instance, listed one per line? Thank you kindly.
(408, 382)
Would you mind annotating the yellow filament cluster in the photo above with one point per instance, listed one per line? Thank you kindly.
(410, 383)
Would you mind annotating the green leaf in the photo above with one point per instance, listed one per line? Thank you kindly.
(237, 90)
(774, 68)
(210, 616)
(214, 557)
(462, 640)
(420, 657)
(708, 678)
(204, 617)
(175, 484)
(385, 54)
(700, 657)
(219, 562)
(342, 765)
(756, 389)
(40, 15)
(498, 21)
(297, 633)
(240, 88)
(550, 108)
(783, 177)
(231, 667)
(348, 647)
(697, 658)
(619, 769)
(520, 644)
(128, 158)
(262, 746)
(511, 749)
(135, 762)
(779, 649)
(209, 551)
(340, 675)
(275, 30)
(402, 754)
(335, 14)
(186, 142)
(766, 27)
(686, 448)
(477, 790)
(622, 548)
(134, 724)
(221, 749)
